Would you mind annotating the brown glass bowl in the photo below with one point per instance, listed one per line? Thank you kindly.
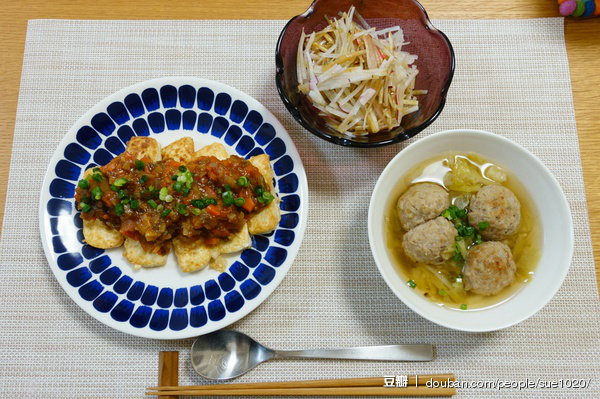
(435, 64)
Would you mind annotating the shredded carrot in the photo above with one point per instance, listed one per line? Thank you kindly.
(212, 240)
(213, 210)
(248, 204)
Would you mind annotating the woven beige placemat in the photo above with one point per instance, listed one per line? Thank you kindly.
(512, 78)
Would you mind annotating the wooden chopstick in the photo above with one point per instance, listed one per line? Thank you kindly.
(330, 383)
(335, 391)
(168, 370)
(373, 386)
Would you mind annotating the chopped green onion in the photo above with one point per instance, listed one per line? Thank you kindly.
(186, 191)
(195, 211)
(84, 184)
(150, 188)
(122, 194)
(85, 200)
(463, 306)
(182, 169)
(120, 182)
(143, 179)
(160, 207)
(208, 201)
(182, 179)
(228, 198)
(457, 257)
(198, 203)
(174, 177)
(163, 193)
(460, 276)
(139, 165)
(182, 209)
(267, 197)
(165, 213)
(119, 209)
(169, 198)
(411, 283)
(189, 176)
(243, 181)
(152, 204)
(96, 170)
(125, 201)
(483, 225)
(461, 213)
(259, 190)
(239, 201)
(457, 238)
(452, 213)
(469, 231)
(97, 176)
(85, 207)
(178, 186)
(442, 292)
(135, 204)
(96, 193)
(114, 188)
(478, 239)
(227, 187)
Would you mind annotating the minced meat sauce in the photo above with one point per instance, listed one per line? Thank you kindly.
(153, 202)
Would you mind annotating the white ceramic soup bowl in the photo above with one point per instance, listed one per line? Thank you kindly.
(546, 196)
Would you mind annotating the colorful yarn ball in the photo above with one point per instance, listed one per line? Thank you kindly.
(590, 7)
(579, 8)
(568, 7)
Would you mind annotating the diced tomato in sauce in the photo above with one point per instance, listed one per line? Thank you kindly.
(148, 224)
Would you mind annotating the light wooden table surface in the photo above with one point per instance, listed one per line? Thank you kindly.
(582, 38)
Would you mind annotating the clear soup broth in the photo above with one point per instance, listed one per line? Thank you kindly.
(443, 284)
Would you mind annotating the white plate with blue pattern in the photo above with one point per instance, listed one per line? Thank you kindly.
(165, 303)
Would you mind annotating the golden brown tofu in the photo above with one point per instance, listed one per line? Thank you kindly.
(267, 219)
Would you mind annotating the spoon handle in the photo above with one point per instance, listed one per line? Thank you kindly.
(406, 353)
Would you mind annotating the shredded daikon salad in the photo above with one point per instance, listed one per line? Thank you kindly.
(358, 77)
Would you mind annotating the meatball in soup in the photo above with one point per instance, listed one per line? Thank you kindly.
(462, 231)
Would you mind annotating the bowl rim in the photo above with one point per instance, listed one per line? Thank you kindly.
(563, 204)
(348, 141)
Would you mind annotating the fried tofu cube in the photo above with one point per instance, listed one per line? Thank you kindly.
(144, 147)
(267, 219)
(180, 150)
(236, 242)
(192, 255)
(216, 150)
(99, 235)
(138, 257)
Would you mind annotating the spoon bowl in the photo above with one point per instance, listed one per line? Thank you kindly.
(226, 354)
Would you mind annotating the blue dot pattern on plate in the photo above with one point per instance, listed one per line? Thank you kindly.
(112, 288)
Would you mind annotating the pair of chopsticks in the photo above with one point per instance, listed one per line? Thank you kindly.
(373, 386)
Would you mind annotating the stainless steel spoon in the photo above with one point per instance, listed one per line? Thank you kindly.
(226, 354)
